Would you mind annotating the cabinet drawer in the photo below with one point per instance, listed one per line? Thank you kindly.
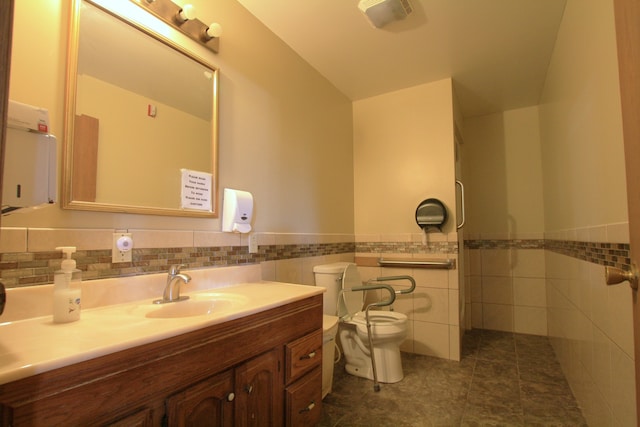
(304, 400)
(303, 354)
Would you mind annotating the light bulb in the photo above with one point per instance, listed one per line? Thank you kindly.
(214, 30)
(187, 12)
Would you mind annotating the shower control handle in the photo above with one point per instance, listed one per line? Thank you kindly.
(614, 276)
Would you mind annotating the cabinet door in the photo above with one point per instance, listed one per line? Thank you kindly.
(142, 418)
(208, 403)
(260, 391)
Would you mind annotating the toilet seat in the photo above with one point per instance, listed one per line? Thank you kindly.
(383, 323)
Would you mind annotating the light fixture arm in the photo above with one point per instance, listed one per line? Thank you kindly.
(183, 19)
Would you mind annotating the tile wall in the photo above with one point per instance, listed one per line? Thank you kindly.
(590, 324)
(28, 256)
(433, 308)
(555, 286)
(507, 283)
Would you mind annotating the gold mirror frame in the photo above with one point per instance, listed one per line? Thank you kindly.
(68, 201)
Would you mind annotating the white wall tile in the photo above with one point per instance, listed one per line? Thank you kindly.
(528, 263)
(497, 290)
(497, 317)
(431, 305)
(529, 292)
(431, 339)
(530, 320)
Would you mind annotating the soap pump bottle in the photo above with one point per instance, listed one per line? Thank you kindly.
(66, 288)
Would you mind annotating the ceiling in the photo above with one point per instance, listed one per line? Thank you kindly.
(496, 51)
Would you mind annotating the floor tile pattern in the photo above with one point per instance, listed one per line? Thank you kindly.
(503, 379)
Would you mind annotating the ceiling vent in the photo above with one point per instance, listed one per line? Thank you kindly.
(381, 12)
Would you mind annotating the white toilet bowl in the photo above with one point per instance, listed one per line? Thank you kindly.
(388, 328)
(388, 331)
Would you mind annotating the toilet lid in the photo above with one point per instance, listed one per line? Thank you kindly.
(351, 302)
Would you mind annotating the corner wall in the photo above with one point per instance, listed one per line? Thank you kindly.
(404, 154)
(585, 204)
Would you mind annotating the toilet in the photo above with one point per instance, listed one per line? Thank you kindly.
(389, 328)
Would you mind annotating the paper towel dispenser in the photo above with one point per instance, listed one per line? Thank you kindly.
(431, 213)
(29, 179)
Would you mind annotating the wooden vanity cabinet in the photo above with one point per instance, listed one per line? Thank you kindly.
(237, 373)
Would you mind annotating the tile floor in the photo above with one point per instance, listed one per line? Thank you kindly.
(503, 379)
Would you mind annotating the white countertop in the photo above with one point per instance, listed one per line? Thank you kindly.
(32, 346)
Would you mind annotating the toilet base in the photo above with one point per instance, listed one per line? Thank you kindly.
(358, 360)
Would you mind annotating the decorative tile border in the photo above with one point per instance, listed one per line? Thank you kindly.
(605, 254)
(407, 247)
(37, 268)
(505, 244)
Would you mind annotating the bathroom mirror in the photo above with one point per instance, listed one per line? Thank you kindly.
(141, 121)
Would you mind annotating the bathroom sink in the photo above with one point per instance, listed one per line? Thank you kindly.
(202, 304)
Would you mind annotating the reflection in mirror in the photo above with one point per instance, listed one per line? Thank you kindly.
(141, 121)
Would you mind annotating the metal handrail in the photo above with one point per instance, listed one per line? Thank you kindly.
(436, 263)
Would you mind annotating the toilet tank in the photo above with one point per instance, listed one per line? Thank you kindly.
(330, 276)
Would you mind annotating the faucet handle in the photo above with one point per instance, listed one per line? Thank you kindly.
(175, 269)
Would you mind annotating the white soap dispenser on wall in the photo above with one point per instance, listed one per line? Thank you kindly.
(237, 211)
(66, 288)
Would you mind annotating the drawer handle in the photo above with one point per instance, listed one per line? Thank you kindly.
(249, 388)
(308, 408)
(308, 356)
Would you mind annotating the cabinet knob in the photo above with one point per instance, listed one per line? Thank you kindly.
(309, 407)
(231, 396)
(308, 356)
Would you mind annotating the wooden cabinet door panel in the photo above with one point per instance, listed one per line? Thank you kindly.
(208, 403)
(260, 391)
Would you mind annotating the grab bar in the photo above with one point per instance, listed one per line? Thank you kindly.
(391, 278)
(440, 263)
(458, 182)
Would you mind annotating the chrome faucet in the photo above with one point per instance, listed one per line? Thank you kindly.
(172, 289)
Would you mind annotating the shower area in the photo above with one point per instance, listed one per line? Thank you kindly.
(543, 192)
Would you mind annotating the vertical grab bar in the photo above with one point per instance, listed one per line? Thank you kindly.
(458, 182)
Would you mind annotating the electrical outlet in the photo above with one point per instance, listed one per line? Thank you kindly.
(253, 243)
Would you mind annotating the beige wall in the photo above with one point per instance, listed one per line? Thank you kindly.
(581, 130)
(155, 183)
(503, 175)
(285, 132)
(585, 200)
(404, 153)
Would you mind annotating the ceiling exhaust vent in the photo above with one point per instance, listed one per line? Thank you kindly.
(381, 12)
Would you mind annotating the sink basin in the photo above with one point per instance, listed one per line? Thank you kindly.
(198, 305)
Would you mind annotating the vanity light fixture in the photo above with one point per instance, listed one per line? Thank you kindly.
(184, 20)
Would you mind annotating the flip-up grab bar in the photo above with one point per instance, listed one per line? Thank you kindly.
(383, 303)
(392, 278)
